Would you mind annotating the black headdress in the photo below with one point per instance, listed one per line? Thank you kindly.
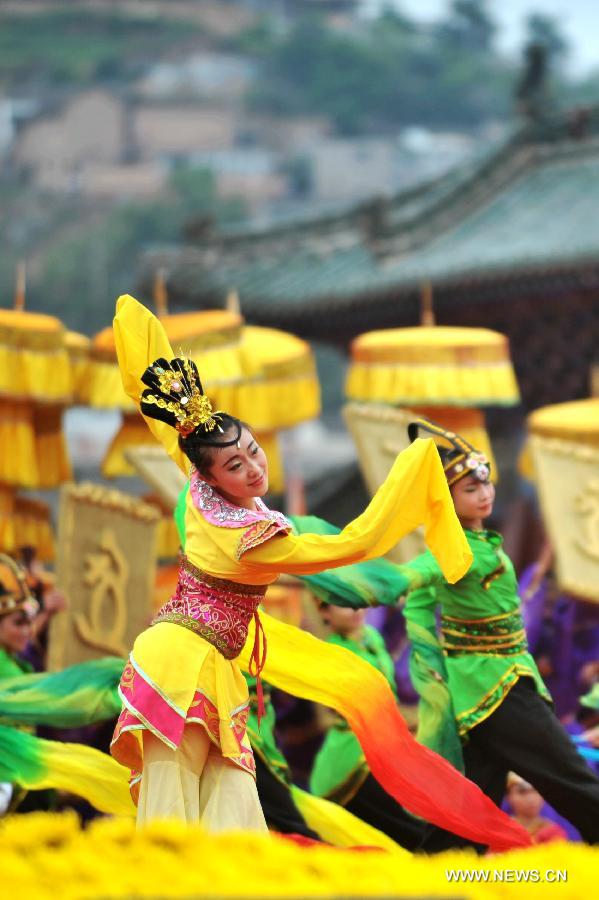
(175, 396)
(466, 461)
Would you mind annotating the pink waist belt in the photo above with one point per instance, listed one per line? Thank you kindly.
(219, 611)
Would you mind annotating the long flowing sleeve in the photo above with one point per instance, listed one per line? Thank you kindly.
(437, 728)
(420, 780)
(414, 493)
(140, 339)
(376, 582)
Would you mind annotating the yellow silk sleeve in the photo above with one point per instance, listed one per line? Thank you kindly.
(140, 339)
(414, 493)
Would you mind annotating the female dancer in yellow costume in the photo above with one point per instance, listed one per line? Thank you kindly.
(182, 729)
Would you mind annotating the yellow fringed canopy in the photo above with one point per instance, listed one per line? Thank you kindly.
(577, 420)
(34, 363)
(281, 387)
(78, 348)
(442, 372)
(432, 365)
(36, 383)
(8, 540)
(574, 421)
(34, 451)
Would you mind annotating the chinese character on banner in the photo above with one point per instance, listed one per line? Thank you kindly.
(106, 566)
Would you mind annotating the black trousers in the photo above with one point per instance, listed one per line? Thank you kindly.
(374, 805)
(523, 735)
(278, 807)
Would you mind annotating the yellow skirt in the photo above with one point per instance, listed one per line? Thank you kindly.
(173, 678)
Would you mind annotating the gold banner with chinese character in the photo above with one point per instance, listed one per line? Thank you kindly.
(106, 566)
(567, 478)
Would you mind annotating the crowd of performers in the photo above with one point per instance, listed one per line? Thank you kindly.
(196, 723)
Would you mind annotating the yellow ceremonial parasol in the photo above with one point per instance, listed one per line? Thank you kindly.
(78, 347)
(564, 446)
(35, 386)
(577, 421)
(446, 373)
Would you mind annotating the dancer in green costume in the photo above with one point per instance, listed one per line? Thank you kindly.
(483, 702)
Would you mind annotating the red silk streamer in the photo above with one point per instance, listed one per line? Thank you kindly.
(257, 661)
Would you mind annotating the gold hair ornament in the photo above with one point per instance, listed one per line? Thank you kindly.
(190, 407)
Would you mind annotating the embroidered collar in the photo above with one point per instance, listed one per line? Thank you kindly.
(218, 511)
(486, 535)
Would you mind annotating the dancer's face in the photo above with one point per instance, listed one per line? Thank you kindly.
(473, 500)
(343, 620)
(239, 473)
(526, 802)
(15, 631)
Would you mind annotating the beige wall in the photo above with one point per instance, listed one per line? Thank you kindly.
(254, 188)
(290, 135)
(182, 129)
(342, 169)
(219, 18)
(90, 128)
(137, 180)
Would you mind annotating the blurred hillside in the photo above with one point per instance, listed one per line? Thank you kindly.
(132, 122)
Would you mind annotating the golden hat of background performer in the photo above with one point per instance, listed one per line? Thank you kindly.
(14, 590)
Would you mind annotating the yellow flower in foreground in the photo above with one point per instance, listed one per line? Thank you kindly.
(45, 857)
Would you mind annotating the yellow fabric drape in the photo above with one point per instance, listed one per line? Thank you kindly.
(44, 376)
(34, 447)
(280, 386)
(78, 348)
(405, 385)
(337, 826)
(7, 519)
(53, 464)
(260, 374)
(18, 459)
(140, 339)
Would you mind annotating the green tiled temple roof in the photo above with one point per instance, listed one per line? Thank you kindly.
(529, 209)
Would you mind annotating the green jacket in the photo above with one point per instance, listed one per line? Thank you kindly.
(477, 682)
